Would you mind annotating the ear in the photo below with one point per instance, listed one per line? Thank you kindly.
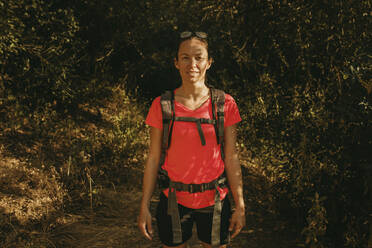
(176, 63)
(210, 61)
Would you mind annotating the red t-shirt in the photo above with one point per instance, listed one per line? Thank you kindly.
(187, 160)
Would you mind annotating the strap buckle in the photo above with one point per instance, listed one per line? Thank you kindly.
(197, 188)
(192, 188)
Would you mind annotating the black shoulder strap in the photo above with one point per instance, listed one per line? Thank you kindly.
(218, 104)
(166, 102)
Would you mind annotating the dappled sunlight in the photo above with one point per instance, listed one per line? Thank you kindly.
(27, 193)
(76, 81)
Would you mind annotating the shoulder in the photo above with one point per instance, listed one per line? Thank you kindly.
(232, 115)
(155, 105)
(159, 100)
(156, 100)
(228, 98)
(229, 101)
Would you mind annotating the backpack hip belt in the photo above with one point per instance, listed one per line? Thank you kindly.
(195, 188)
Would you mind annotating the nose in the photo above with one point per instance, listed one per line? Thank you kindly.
(193, 62)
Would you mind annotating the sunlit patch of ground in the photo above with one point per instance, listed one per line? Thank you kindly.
(27, 193)
(27, 218)
(30, 216)
(113, 224)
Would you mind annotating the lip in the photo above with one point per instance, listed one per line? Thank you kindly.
(193, 74)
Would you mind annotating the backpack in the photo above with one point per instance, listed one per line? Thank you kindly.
(169, 117)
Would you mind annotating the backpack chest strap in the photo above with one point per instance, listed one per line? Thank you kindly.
(168, 115)
(198, 122)
(193, 119)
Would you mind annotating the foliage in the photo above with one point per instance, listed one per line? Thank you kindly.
(43, 65)
(299, 71)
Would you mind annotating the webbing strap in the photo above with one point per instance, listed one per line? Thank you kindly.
(198, 188)
(198, 122)
(201, 134)
(214, 100)
(221, 131)
(172, 118)
(218, 104)
(216, 223)
(174, 213)
(166, 106)
(192, 119)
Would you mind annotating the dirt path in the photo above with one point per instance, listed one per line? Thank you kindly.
(113, 224)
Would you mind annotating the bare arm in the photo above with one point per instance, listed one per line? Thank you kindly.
(149, 181)
(234, 176)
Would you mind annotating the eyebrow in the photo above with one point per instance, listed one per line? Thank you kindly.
(197, 53)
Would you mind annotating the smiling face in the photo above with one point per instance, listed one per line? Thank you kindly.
(193, 60)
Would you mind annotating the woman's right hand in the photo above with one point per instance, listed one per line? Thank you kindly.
(144, 223)
(149, 181)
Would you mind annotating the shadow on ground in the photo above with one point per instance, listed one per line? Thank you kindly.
(113, 224)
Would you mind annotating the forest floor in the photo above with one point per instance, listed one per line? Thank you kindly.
(108, 220)
(113, 224)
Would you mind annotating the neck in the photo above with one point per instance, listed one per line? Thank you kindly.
(193, 89)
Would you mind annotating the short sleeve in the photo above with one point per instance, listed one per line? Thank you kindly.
(154, 116)
(231, 111)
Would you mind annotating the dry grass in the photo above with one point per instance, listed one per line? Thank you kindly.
(27, 193)
(29, 197)
(31, 217)
(112, 223)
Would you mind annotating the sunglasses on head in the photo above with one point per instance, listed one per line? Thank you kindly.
(188, 34)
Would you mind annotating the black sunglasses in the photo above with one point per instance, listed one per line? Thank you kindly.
(188, 34)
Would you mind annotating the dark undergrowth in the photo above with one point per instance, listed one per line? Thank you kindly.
(77, 184)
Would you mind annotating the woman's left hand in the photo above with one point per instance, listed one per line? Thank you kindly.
(237, 222)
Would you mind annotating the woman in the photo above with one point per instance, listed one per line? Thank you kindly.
(189, 161)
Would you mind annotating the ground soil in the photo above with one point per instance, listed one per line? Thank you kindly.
(113, 224)
(108, 219)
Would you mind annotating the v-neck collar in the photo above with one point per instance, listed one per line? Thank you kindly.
(192, 110)
(187, 108)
